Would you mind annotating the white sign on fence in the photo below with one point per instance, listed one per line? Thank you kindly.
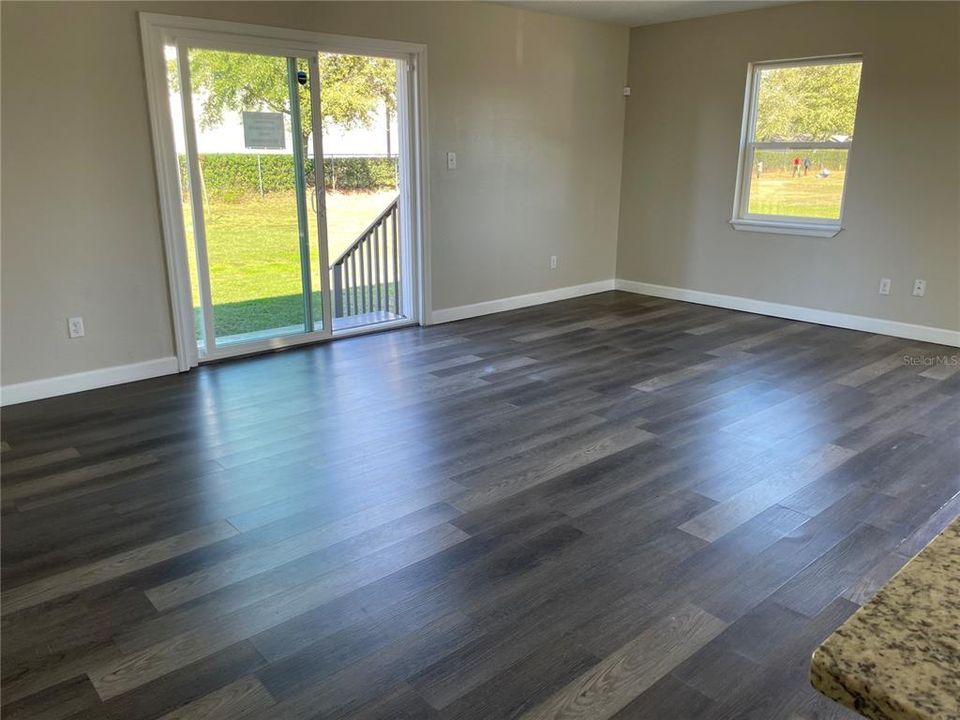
(263, 131)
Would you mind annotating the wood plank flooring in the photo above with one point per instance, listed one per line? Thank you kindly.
(611, 507)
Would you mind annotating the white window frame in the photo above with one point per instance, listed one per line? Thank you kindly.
(786, 224)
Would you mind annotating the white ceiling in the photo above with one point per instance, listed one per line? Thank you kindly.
(641, 12)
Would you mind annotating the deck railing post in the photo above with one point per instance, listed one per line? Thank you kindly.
(376, 266)
(354, 277)
(338, 290)
(396, 259)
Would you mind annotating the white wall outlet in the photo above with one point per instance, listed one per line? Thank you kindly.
(919, 287)
(626, 91)
(451, 161)
(75, 327)
(553, 262)
(884, 286)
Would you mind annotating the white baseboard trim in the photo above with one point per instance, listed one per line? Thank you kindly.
(941, 336)
(78, 382)
(462, 312)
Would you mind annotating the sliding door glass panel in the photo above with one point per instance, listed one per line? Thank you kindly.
(361, 176)
(249, 143)
(176, 117)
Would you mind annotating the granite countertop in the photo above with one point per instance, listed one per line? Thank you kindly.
(898, 657)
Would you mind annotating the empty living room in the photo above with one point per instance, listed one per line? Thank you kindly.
(480, 360)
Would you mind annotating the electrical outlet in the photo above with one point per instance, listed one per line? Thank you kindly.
(553, 262)
(919, 287)
(451, 161)
(75, 327)
(884, 286)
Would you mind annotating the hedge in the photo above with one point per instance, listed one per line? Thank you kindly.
(236, 174)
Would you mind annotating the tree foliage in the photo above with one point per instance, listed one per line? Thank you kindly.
(353, 87)
(810, 103)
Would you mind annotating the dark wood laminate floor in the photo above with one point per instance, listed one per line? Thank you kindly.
(615, 506)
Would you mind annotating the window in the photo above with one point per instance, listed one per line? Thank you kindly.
(797, 136)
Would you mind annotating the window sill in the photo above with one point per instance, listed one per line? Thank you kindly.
(787, 228)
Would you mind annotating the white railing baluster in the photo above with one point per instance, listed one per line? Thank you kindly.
(376, 265)
(396, 259)
(353, 282)
(365, 271)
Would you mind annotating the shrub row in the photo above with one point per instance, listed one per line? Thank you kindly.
(237, 174)
(359, 173)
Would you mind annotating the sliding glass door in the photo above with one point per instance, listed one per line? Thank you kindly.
(285, 243)
(249, 188)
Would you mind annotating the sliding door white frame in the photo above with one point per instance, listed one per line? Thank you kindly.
(160, 30)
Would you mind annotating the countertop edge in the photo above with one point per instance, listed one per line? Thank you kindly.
(826, 679)
(898, 656)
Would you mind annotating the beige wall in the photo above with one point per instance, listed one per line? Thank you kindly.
(901, 218)
(530, 103)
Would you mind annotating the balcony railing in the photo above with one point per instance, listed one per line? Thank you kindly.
(366, 276)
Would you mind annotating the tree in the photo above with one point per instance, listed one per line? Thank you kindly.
(353, 87)
(810, 103)
(383, 81)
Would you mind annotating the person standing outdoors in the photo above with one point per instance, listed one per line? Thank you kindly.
(796, 166)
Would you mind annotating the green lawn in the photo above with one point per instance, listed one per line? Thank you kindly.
(253, 251)
(779, 193)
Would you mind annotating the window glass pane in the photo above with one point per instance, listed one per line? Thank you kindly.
(798, 183)
(811, 103)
